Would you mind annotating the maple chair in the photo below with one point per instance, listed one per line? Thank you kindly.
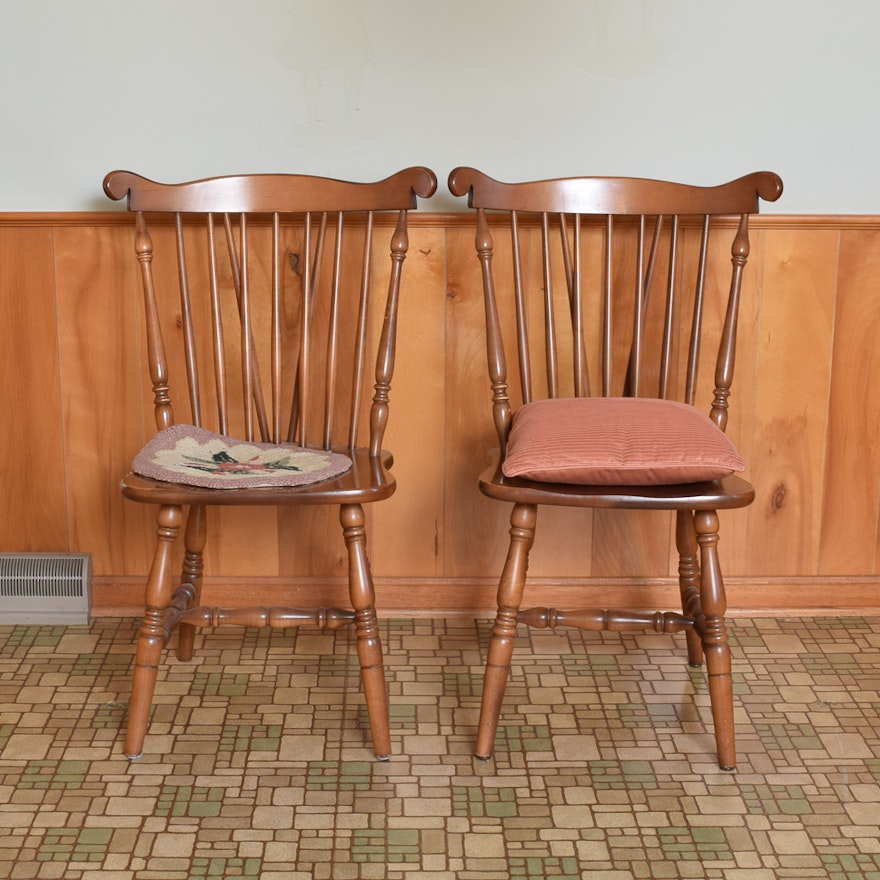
(269, 287)
(606, 292)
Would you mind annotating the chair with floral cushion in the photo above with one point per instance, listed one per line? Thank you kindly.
(271, 289)
(605, 293)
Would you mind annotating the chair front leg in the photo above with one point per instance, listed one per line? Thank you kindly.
(369, 645)
(715, 643)
(689, 580)
(152, 635)
(192, 572)
(523, 519)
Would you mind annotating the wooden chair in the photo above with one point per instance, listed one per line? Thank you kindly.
(606, 292)
(266, 285)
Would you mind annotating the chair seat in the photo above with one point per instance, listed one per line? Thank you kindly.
(725, 493)
(367, 480)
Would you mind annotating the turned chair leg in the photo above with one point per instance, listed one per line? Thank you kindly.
(152, 636)
(194, 538)
(715, 643)
(689, 580)
(523, 519)
(369, 645)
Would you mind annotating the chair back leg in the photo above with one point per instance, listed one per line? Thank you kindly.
(192, 572)
(689, 580)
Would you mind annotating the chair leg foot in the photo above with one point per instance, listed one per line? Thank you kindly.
(483, 757)
(494, 683)
(373, 683)
(149, 652)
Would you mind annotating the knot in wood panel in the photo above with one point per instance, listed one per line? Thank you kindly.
(780, 496)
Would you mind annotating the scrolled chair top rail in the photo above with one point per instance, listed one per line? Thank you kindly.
(615, 195)
(272, 193)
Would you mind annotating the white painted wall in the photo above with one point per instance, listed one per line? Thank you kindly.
(696, 90)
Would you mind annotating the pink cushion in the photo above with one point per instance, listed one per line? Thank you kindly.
(617, 441)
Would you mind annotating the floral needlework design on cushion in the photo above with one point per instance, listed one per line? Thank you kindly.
(197, 457)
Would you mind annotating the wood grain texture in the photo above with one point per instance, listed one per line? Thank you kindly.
(98, 311)
(848, 539)
(33, 500)
(805, 414)
(791, 400)
(475, 528)
(417, 397)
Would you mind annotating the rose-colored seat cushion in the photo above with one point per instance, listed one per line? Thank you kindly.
(617, 441)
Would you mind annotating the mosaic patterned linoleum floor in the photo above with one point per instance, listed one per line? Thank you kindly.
(257, 764)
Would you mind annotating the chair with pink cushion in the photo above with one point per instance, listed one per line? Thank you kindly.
(615, 302)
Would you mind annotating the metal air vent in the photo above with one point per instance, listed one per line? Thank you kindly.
(45, 588)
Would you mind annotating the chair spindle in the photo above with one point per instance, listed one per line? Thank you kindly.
(670, 314)
(607, 317)
(217, 335)
(497, 363)
(332, 337)
(635, 363)
(549, 312)
(189, 346)
(522, 324)
(387, 343)
(693, 363)
(275, 342)
(727, 355)
(360, 347)
(158, 364)
(580, 357)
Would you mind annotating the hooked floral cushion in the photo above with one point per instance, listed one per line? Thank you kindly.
(197, 457)
(617, 441)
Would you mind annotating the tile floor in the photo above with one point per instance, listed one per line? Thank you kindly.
(257, 766)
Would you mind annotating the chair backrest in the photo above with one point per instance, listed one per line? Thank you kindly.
(611, 286)
(268, 282)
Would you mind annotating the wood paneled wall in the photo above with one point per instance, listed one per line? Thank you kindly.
(806, 408)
